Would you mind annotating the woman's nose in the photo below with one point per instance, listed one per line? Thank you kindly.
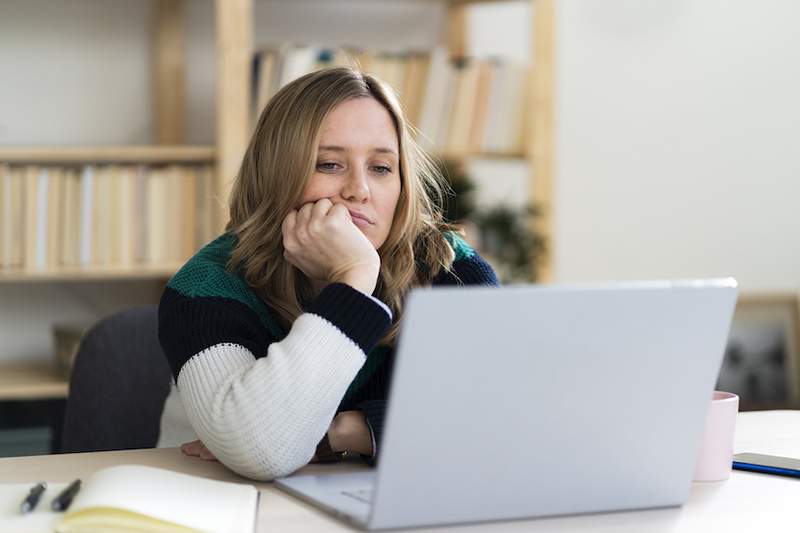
(356, 187)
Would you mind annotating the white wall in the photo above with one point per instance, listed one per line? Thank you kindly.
(678, 144)
(75, 73)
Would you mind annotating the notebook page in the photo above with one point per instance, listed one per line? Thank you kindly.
(195, 502)
(40, 520)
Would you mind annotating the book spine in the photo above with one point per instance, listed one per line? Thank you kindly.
(87, 215)
(125, 215)
(40, 233)
(5, 213)
(17, 214)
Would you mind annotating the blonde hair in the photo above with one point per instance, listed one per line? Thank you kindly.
(279, 162)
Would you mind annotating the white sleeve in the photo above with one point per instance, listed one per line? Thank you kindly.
(263, 417)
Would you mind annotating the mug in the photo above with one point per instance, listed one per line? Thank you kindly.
(716, 453)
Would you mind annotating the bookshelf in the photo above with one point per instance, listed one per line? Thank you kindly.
(32, 381)
(234, 44)
(453, 131)
(77, 274)
(539, 121)
(108, 154)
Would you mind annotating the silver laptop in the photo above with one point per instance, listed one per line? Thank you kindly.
(530, 401)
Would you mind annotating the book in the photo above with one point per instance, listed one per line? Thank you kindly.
(494, 106)
(71, 218)
(157, 205)
(462, 117)
(136, 498)
(174, 214)
(13, 224)
(101, 227)
(412, 91)
(125, 216)
(483, 85)
(86, 216)
(432, 116)
(205, 206)
(113, 202)
(40, 234)
(297, 62)
(30, 219)
(188, 224)
(55, 193)
(139, 225)
(5, 197)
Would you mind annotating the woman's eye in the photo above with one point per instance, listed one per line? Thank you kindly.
(327, 166)
(382, 169)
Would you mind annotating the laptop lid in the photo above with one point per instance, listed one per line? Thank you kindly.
(531, 401)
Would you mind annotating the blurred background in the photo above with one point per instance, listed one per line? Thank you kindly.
(584, 141)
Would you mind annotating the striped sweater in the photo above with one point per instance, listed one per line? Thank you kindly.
(260, 397)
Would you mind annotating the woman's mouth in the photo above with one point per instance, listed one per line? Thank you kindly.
(360, 220)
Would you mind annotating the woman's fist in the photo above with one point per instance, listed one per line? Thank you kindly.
(321, 240)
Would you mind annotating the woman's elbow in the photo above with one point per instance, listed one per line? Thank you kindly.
(264, 462)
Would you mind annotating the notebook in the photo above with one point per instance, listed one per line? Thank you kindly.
(135, 498)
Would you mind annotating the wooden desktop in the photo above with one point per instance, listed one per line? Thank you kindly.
(745, 502)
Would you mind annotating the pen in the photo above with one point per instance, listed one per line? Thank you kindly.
(63, 500)
(32, 499)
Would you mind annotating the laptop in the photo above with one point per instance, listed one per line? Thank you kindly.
(531, 401)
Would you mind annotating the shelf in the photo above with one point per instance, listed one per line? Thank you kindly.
(485, 155)
(133, 273)
(472, 2)
(108, 154)
(32, 381)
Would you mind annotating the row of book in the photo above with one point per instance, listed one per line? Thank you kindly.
(103, 215)
(460, 107)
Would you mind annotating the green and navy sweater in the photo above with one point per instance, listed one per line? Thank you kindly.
(261, 397)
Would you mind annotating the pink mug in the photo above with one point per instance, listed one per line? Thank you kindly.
(716, 453)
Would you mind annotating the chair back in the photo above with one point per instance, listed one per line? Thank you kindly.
(118, 386)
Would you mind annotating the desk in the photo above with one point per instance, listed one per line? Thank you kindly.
(746, 502)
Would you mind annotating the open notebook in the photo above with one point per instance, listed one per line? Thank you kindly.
(136, 498)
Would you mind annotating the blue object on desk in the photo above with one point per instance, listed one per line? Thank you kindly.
(767, 464)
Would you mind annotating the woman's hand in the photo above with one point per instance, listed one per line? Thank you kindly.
(349, 431)
(321, 240)
(196, 448)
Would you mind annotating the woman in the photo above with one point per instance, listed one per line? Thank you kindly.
(279, 333)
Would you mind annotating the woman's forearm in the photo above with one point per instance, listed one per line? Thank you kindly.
(252, 415)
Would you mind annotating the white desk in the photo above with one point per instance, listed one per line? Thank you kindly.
(746, 502)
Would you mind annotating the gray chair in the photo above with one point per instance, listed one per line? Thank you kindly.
(119, 383)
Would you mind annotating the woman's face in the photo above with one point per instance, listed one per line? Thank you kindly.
(358, 166)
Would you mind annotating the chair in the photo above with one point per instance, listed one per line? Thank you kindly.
(119, 382)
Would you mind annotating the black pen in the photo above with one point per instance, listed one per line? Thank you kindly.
(32, 499)
(63, 500)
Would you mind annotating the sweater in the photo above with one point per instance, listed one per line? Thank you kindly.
(261, 397)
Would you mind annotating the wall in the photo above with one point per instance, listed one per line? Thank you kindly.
(678, 143)
(75, 73)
